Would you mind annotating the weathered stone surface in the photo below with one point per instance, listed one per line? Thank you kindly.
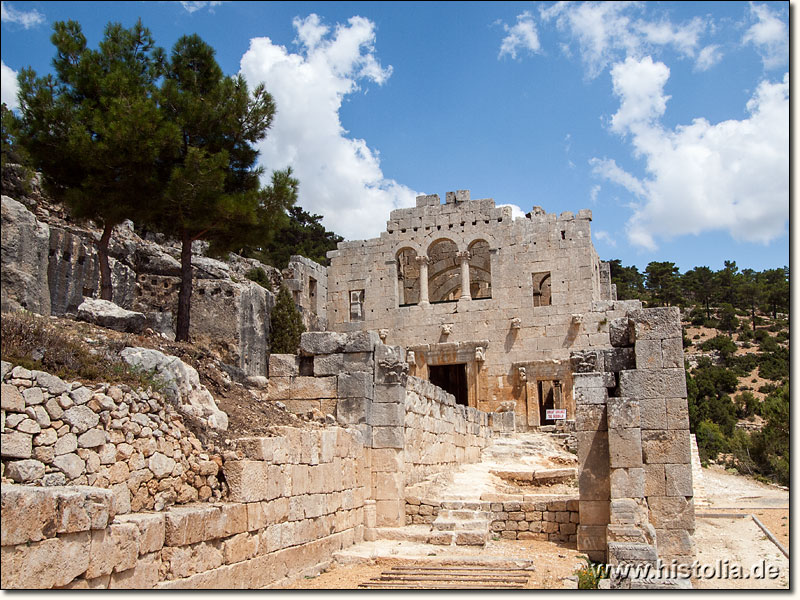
(648, 354)
(674, 542)
(671, 512)
(593, 474)
(151, 528)
(594, 512)
(623, 413)
(361, 341)
(253, 481)
(621, 332)
(81, 418)
(655, 383)
(653, 413)
(350, 385)
(46, 564)
(25, 249)
(322, 342)
(145, 575)
(23, 471)
(678, 480)
(301, 388)
(627, 483)
(666, 447)
(92, 438)
(654, 480)
(625, 448)
(631, 553)
(16, 445)
(107, 314)
(185, 525)
(54, 385)
(672, 353)
(71, 465)
(657, 323)
(328, 364)
(677, 413)
(66, 443)
(113, 549)
(160, 465)
(12, 400)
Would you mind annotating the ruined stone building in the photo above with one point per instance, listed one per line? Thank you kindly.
(489, 307)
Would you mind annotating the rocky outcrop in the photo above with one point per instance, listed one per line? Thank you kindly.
(25, 245)
(182, 384)
(108, 314)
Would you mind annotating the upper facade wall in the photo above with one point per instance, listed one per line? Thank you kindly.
(511, 253)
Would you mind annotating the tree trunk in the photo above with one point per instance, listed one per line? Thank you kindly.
(106, 289)
(185, 294)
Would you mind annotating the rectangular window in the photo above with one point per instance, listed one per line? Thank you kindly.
(312, 294)
(356, 305)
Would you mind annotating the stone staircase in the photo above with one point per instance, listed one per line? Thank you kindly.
(461, 523)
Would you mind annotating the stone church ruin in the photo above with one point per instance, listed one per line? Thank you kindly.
(457, 336)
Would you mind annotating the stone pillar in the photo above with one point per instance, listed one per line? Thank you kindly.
(465, 294)
(423, 280)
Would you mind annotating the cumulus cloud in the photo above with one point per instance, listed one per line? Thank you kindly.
(26, 18)
(8, 86)
(708, 57)
(769, 34)
(607, 31)
(604, 236)
(521, 36)
(192, 6)
(340, 176)
(731, 176)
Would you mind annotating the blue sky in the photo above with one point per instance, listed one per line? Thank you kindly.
(669, 120)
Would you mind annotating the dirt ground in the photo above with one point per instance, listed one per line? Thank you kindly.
(552, 563)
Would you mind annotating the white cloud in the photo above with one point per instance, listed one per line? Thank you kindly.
(27, 19)
(192, 6)
(516, 211)
(605, 32)
(708, 57)
(340, 177)
(593, 193)
(770, 35)
(8, 86)
(731, 176)
(604, 236)
(521, 36)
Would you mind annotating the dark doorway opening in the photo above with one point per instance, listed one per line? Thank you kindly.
(452, 379)
(546, 400)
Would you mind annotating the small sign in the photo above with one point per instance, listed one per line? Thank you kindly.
(555, 414)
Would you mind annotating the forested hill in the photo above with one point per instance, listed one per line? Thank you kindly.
(736, 341)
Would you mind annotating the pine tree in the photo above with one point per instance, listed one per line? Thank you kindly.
(286, 324)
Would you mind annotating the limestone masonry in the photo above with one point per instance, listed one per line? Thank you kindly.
(432, 351)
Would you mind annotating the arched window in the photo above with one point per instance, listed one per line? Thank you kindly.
(480, 270)
(407, 277)
(444, 272)
(541, 289)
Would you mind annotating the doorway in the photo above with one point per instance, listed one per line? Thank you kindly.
(452, 379)
(549, 396)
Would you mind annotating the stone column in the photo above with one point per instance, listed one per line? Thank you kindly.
(423, 280)
(465, 295)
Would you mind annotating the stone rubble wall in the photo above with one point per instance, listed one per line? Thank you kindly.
(310, 300)
(297, 498)
(634, 450)
(438, 432)
(133, 443)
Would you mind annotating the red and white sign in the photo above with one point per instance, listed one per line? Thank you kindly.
(555, 414)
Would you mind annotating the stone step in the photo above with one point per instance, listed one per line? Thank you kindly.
(463, 514)
(466, 505)
(448, 525)
(469, 537)
(410, 533)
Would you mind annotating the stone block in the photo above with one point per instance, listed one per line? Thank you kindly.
(328, 364)
(388, 486)
(678, 480)
(390, 393)
(237, 548)
(671, 512)
(24, 471)
(361, 341)
(666, 447)
(359, 384)
(623, 413)
(115, 548)
(626, 533)
(353, 411)
(677, 413)
(588, 380)
(46, 564)
(631, 553)
(388, 460)
(590, 395)
(253, 481)
(321, 342)
(656, 323)
(627, 511)
(258, 448)
(284, 365)
(627, 483)
(672, 353)
(674, 542)
(648, 354)
(301, 388)
(654, 480)
(654, 383)
(152, 530)
(145, 575)
(186, 525)
(653, 413)
(388, 437)
(593, 460)
(619, 359)
(590, 417)
(625, 448)
(16, 445)
(12, 400)
(621, 332)
(390, 513)
(387, 415)
(358, 361)
(592, 538)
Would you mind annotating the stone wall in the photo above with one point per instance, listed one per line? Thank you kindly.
(636, 495)
(308, 282)
(133, 443)
(295, 504)
(438, 432)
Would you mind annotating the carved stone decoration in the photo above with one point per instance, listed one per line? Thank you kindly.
(522, 374)
(391, 366)
(577, 319)
(411, 358)
(447, 328)
(383, 334)
(480, 354)
(516, 323)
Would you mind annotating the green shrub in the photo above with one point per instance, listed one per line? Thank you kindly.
(260, 276)
(722, 344)
(286, 324)
(590, 575)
